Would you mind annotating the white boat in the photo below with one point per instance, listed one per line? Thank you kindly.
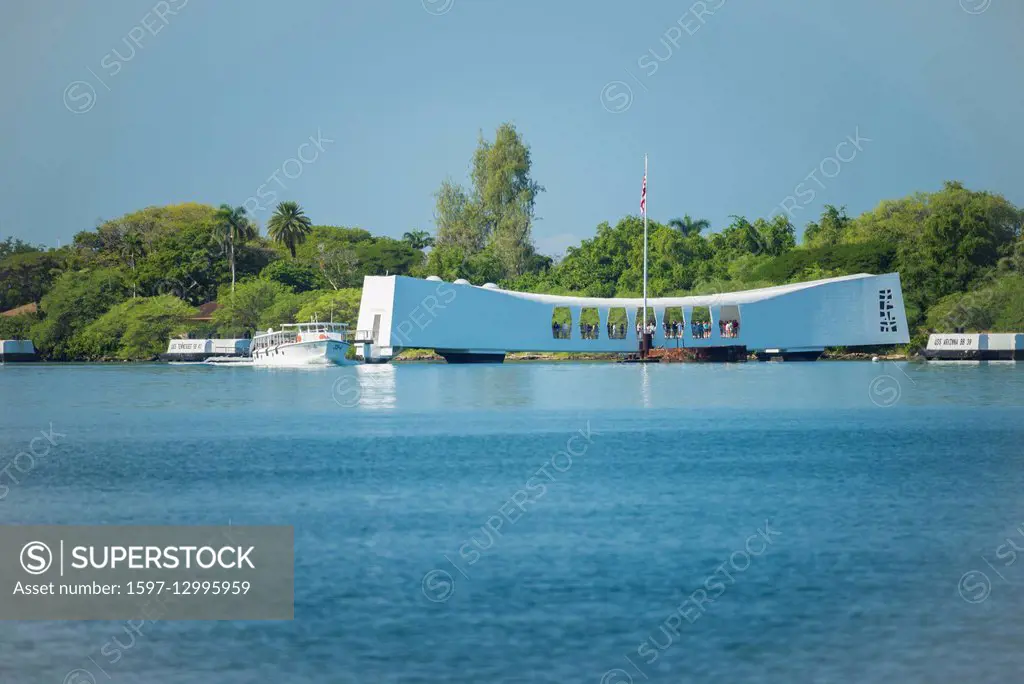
(302, 344)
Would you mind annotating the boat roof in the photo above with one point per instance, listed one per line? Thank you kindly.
(299, 325)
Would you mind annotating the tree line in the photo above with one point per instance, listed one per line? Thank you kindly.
(121, 290)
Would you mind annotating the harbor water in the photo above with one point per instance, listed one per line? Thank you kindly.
(543, 522)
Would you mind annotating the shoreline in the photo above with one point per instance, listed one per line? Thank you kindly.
(561, 357)
(512, 357)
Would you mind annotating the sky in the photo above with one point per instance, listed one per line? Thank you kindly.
(359, 109)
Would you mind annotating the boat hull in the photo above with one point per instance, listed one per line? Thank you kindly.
(299, 354)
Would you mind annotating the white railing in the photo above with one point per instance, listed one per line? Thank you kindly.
(364, 336)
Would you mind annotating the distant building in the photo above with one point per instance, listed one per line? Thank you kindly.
(17, 350)
(29, 308)
(205, 314)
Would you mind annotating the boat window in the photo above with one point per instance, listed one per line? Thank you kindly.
(590, 323)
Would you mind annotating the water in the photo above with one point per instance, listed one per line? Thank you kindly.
(845, 500)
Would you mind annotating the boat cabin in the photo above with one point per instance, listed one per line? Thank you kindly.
(297, 333)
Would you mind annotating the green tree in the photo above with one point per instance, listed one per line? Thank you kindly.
(1016, 259)
(286, 307)
(12, 245)
(861, 257)
(241, 310)
(183, 262)
(498, 213)
(447, 261)
(137, 329)
(689, 226)
(418, 239)
(385, 256)
(17, 327)
(25, 276)
(132, 250)
(341, 306)
(458, 220)
(232, 228)
(76, 299)
(338, 266)
(289, 226)
(298, 277)
(831, 228)
(344, 255)
(777, 235)
(963, 235)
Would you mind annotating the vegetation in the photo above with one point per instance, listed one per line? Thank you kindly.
(76, 299)
(136, 328)
(232, 228)
(418, 239)
(485, 233)
(120, 290)
(289, 226)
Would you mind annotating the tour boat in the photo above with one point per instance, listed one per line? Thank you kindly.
(302, 344)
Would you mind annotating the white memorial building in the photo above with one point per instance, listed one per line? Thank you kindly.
(469, 323)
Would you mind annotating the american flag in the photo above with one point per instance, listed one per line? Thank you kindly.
(643, 196)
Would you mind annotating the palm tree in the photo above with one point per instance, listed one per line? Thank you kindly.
(418, 239)
(689, 226)
(232, 227)
(289, 226)
(131, 250)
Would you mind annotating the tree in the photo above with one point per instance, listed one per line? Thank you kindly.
(286, 307)
(1017, 257)
(183, 262)
(777, 235)
(340, 306)
(131, 250)
(860, 257)
(418, 239)
(386, 256)
(338, 265)
(25, 277)
(689, 226)
(137, 329)
(17, 327)
(457, 218)
(963, 235)
(241, 311)
(297, 276)
(447, 261)
(831, 228)
(75, 300)
(289, 226)
(232, 228)
(498, 213)
(12, 245)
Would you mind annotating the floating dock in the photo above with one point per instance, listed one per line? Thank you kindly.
(17, 350)
(201, 350)
(975, 347)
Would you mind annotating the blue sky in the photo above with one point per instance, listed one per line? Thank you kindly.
(206, 101)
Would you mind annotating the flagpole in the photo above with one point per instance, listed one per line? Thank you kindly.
(645, 249)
